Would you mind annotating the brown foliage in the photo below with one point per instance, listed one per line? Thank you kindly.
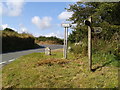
(51, 62)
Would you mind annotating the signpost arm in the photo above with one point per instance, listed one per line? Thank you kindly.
(90, 44)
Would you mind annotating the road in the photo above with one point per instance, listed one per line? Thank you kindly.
(8, 57)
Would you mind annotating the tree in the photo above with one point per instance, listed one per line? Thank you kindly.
(110, 12)
(105, 15)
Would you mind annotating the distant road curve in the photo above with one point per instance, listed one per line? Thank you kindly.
(11, 56)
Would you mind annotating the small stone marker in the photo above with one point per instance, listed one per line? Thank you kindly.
(47, 51)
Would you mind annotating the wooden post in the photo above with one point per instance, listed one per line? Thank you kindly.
(90, 45)
(65, 43)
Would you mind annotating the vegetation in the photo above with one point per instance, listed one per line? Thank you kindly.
(104, 15)
(9, 30)
(13, 41)
(37, 70)
(49, 40)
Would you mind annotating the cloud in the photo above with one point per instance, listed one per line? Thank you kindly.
(12, 8)
(22, 28)
(2, 27)
(65, 15)
(42, 23)
(56, 34)
(36, 34)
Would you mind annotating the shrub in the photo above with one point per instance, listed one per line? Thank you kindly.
(105, 52)
(79, 49)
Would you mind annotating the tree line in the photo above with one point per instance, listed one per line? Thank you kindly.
(52, 38)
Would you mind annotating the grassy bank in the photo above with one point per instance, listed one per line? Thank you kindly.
(13, 41)
(39, 71)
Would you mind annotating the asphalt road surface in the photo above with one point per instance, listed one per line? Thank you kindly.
(9, 57)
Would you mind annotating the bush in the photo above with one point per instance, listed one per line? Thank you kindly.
(79, 49)
(103, 51)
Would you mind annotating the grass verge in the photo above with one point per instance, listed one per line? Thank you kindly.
(37, 70)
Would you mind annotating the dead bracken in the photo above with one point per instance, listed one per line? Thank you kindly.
(51, 62)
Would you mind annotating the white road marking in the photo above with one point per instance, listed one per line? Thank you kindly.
(11, 60)
(3, 62)
(7, 61)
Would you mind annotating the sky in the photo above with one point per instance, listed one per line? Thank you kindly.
(36, 18)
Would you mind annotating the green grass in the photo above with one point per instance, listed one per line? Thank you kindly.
(37, 70)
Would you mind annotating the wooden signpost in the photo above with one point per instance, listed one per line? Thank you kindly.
(90, 44)
(96, 30)
(88, 23)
